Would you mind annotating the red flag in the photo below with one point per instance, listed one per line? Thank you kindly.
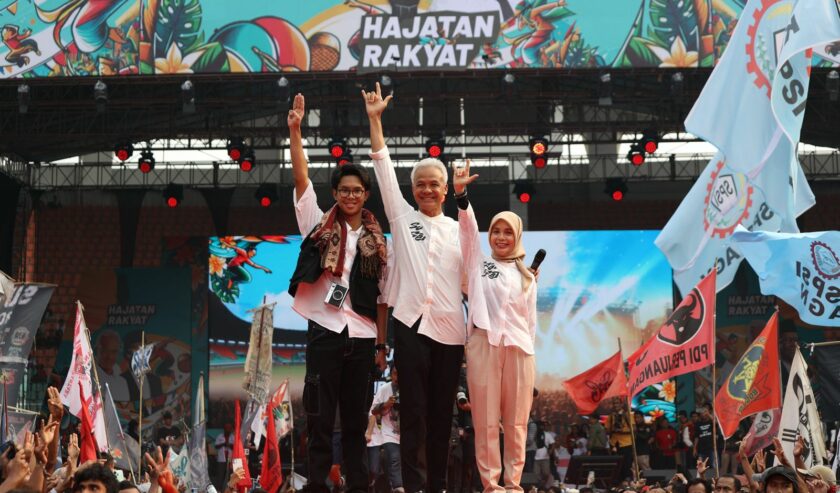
(754, 384)
(87, 442)
(271, 475)
(239, 453)
(685, 343)
(604, 380)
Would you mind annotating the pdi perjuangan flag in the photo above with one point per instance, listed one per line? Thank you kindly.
(754, 384)
(699, 234)
(800, 416)
(802, 269)
(602, 381)
(826, 359)
(685, 342)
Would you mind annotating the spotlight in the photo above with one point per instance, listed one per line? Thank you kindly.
(386, 84)
(146, 163)
(434, 148)
(509, 85)
(344, 159)
(173, 195)
(509, 78)
(247, 161)
(124, 151)
(677, 84)
(235, 148)
(616, 188)
(100, 95)
(337, 148)
(636, 155)
(538, 147)
(524, 191)
(23, 98)
(266, 194)
(832, 85)
(605, 90)
(284, 90)
(188, 97)
(650, 141)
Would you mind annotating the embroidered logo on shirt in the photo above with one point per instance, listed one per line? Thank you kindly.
(490, 270)
(417, 231)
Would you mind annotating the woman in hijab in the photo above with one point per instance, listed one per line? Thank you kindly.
(500, 346)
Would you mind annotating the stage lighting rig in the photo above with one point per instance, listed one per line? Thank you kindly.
(173, 195)
(435, 148)
(636, 155)
(616, 188)
(538, 147)
(146, 163)
(266, 194)
(124, 151)
(337, 148)
(524, 191)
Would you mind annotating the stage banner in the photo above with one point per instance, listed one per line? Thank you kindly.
(99, 38)
(20, 317)
(595, 287)
(121, 305)
(802, 269)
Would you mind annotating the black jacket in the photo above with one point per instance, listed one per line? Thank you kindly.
(363, 292)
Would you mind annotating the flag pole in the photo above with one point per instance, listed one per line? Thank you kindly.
(636, 471)
(94, 365)
(142, 378)
(714, 392)
(122, 436)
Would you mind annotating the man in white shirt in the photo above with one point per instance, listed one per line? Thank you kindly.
(542, 458)
(336, 286)
(386, 408)
(424, 287)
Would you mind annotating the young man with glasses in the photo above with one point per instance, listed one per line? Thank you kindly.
(425, 291)
(336, 286)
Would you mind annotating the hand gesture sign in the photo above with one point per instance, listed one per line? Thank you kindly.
(374, 104)
(296, 113)
(702, 466)
(461, 177)
(779, 452)
(54, 403)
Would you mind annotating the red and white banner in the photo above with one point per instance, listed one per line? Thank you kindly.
(602, 381)
(80, 374)
(684, 344)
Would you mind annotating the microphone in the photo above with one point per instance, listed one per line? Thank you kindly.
(538, 259)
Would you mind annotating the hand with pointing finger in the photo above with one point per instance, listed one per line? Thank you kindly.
(374, 103)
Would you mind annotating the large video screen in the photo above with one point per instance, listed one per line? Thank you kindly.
(595, 288)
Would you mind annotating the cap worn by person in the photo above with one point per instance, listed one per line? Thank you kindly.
(820, 472)
(785, 472)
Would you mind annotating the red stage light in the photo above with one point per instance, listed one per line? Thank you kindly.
(524, 197)
(618, 195)
(651, 146)
(172, 202)
(124, 151)
(435, 151)
(539, 162)
(265, 201)
(235, 153)
(145, 167)
(235, 148)
(344, 160)
(539, 147)
(637, 159)
(337, 148)
(246, 165)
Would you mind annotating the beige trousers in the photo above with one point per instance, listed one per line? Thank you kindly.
(501, 385)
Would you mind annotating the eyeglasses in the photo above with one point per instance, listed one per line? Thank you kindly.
(348, 192)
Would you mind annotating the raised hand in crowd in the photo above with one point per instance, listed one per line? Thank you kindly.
(779, 452)
(54, 404)
(73, 452)
(16, 471)
(235, 477)
(461, 177)
(746, 465)
(702, 467)
(375, 104)
(296, 113)
(760, 460)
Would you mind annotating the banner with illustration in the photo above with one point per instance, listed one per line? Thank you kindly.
(119, 37)
(595, 288)
(120, 306)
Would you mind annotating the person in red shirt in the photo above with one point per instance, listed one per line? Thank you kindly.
(18, 44)
(666, 440)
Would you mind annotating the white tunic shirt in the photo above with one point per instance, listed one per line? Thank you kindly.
(309, 299)
(425, 278)
(497, 302)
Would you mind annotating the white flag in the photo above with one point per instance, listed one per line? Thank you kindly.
(140, 364)
(283, 421)
(800, 416)
(199, 478)
(179, 464)
(7, 287)
(80, 373)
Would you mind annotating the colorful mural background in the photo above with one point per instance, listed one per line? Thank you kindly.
(70, 38)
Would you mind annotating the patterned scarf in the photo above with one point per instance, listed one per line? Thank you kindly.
(330, 235)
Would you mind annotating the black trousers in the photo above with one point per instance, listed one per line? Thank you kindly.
(428, 372)
(338, 369)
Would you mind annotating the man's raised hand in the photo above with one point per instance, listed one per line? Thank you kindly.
(296, 113)
(461, 177)
(374, 104)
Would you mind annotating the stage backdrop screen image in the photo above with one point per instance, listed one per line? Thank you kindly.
(595, 287)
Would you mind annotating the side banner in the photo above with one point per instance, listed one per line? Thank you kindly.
(20, 317)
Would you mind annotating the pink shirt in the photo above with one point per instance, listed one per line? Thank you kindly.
(497, 302)
(309, 299)
(425, 277)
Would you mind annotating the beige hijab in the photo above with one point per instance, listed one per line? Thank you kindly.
(518, 253)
